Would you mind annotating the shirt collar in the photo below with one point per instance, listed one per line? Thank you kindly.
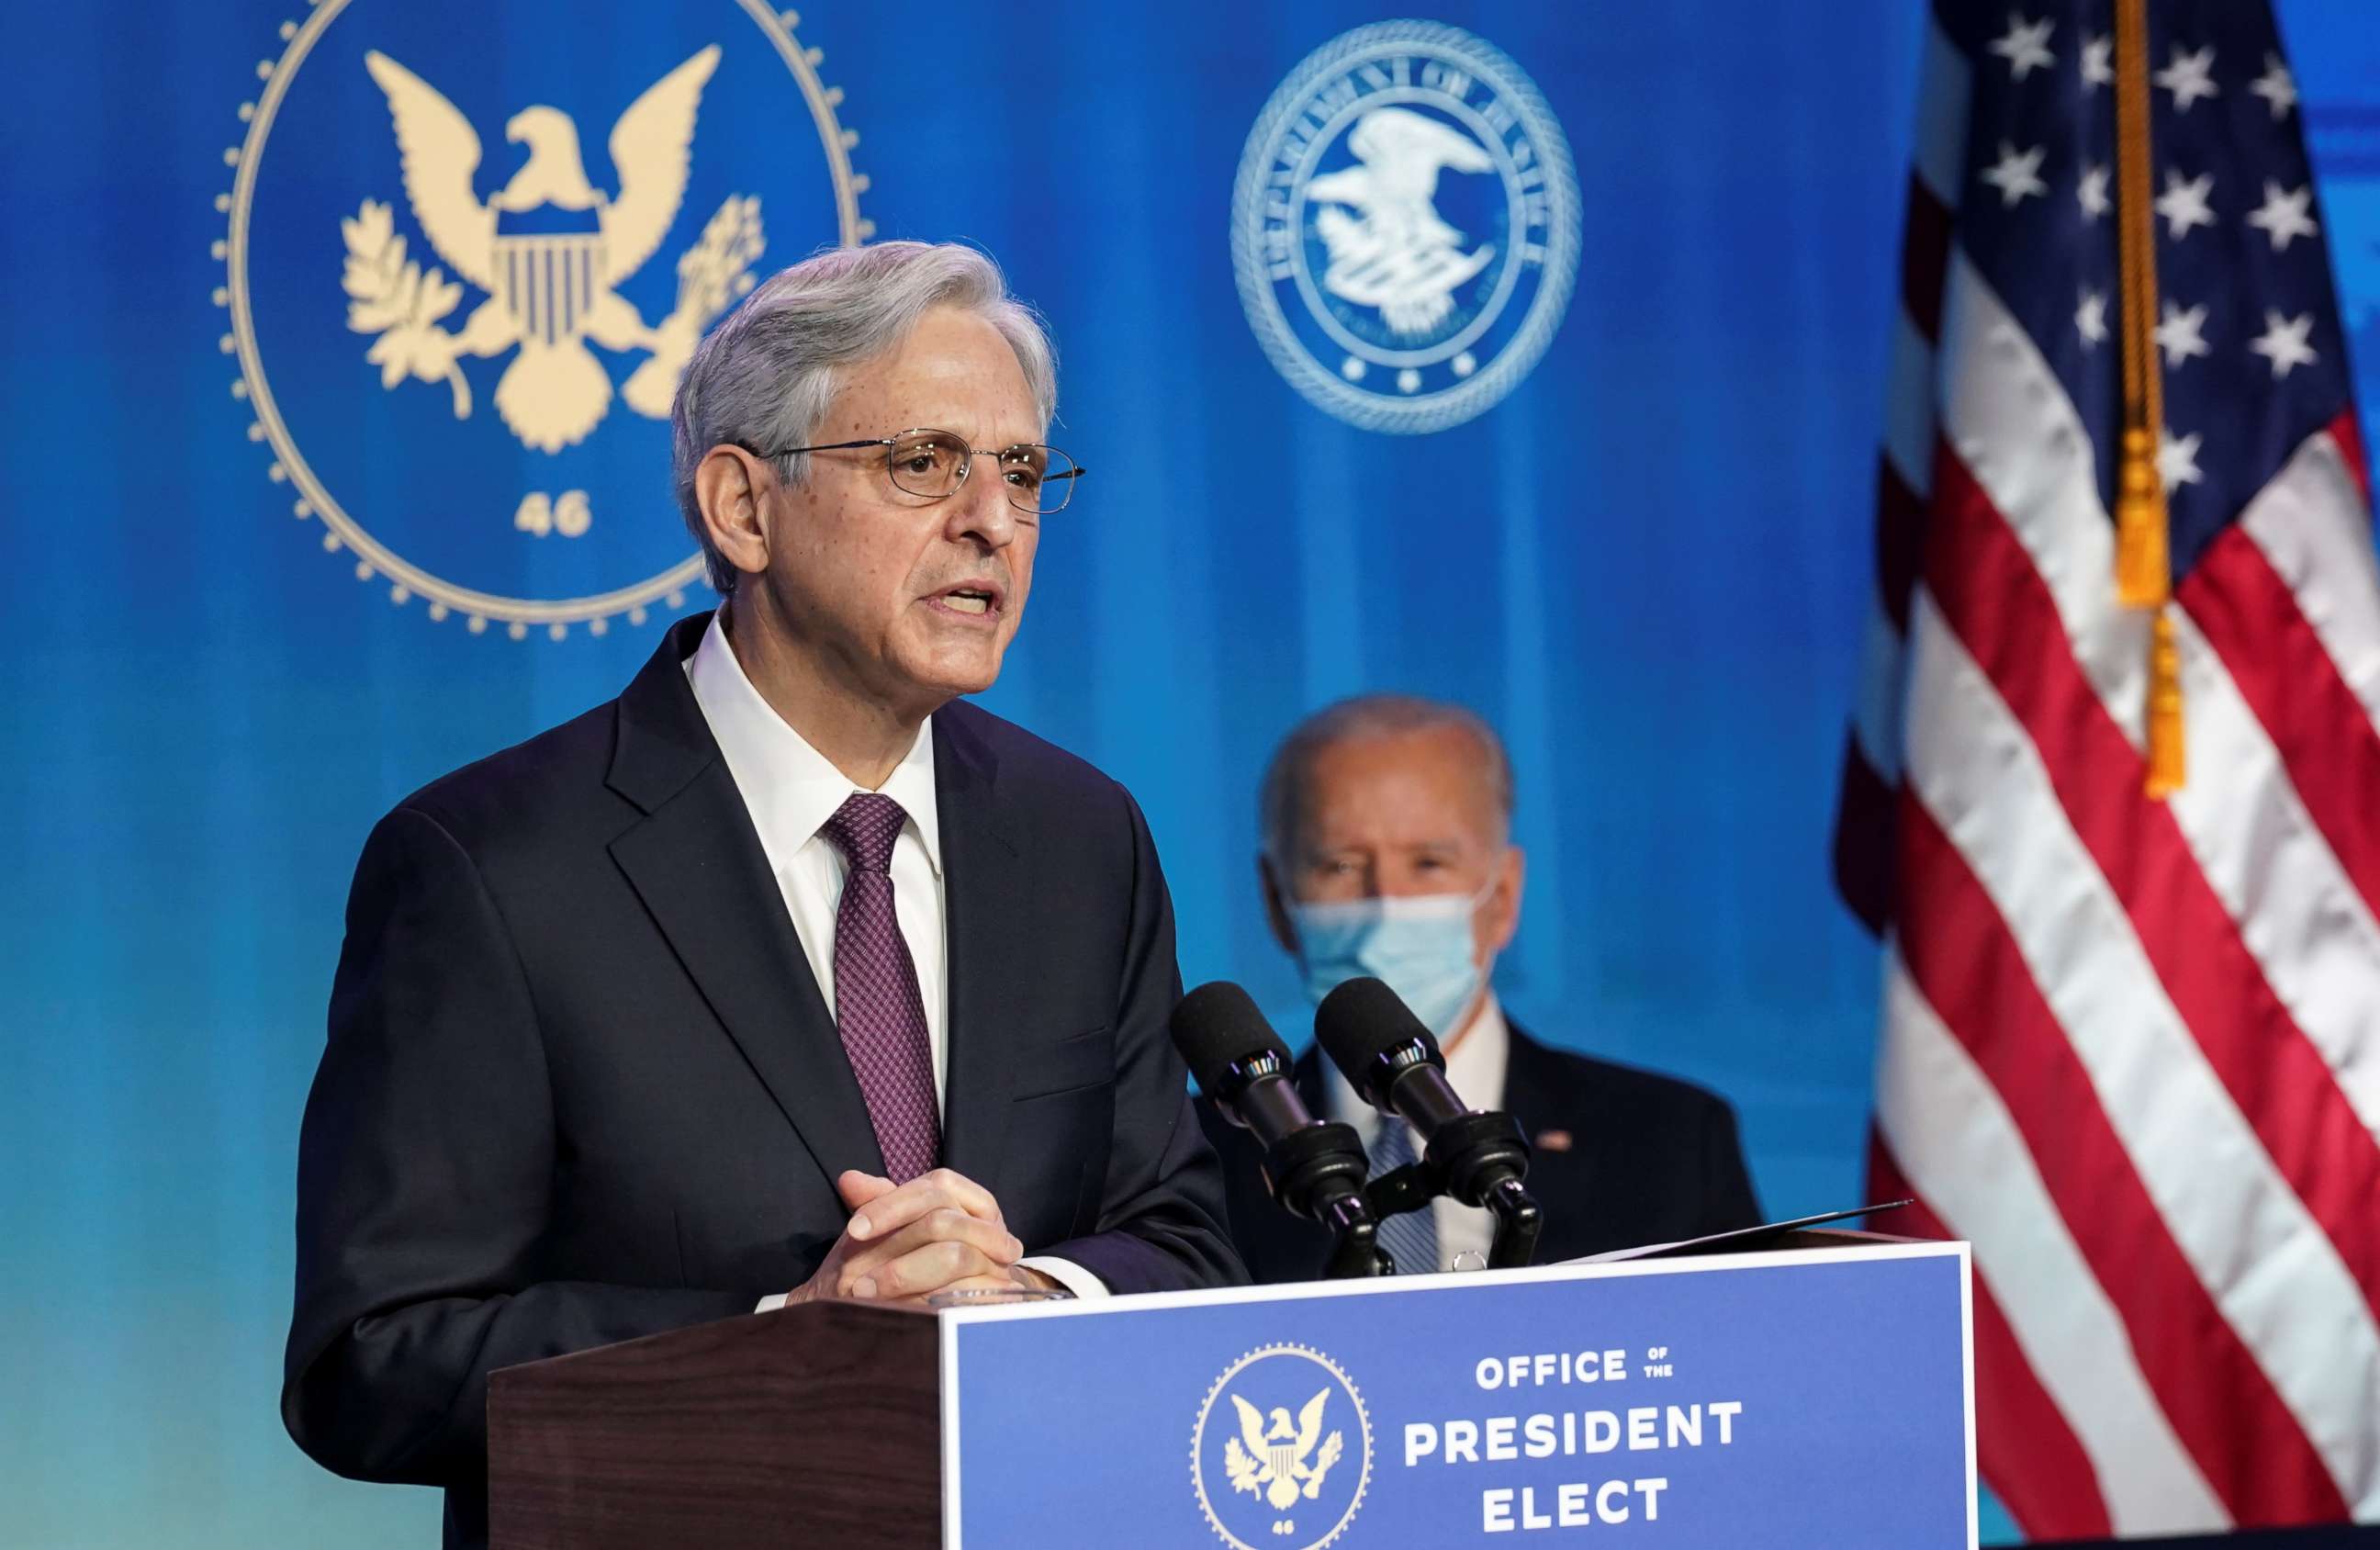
(1476, 1071)
(788, 786)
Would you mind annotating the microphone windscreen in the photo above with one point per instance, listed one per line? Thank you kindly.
(1361, 1019)
(1217, 1024)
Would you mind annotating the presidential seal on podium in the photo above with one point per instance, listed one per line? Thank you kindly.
(1282, 1450)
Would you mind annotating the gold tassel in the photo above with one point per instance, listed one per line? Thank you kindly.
(2143, 555)
(2166, 764)
(2144, 569)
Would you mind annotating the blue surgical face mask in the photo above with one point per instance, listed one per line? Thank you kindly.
(1419, 947)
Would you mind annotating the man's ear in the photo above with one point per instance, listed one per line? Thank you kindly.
(1500, 919)
(1276, 899)
(729, 487)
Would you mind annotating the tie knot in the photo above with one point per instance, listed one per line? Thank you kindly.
(864, 828)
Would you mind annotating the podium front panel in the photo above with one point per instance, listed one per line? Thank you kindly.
(1819, 1399)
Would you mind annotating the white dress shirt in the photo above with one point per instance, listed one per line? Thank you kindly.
(1475, 1069)
(791, 789)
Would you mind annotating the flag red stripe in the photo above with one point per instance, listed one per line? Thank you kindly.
(2249, 616)
(1863, 839)
(2000, 608)
(2024, 1449)
(1924, 259)
(1900, 541)
(2350, 437)
(1959, 953)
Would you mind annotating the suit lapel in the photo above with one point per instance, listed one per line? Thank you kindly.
(986, 909)
(1539, 1091)
(696, 863)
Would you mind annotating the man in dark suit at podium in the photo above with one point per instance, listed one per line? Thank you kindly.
(787, 975)
(1387, 852)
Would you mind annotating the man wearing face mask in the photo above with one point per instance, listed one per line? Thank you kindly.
(1387, 852)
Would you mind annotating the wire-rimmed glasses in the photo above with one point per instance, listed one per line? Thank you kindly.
(932, 465)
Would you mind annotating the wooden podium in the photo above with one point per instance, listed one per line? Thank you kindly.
(877, 1428)
(819, 1425)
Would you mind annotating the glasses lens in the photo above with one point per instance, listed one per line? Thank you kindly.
(927, 463)
(1039, 479)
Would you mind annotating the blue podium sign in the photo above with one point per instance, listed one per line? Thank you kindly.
(1818, 1397)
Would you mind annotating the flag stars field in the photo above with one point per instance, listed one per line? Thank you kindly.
(2284, 343)
(2190, 76)
(2184, 204)
(2285, 216)
(2277, 86)
(2090, 193)
(2016, 174)
(2026, 46)
(2180, 334)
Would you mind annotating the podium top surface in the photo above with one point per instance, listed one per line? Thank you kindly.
(1807, 1248)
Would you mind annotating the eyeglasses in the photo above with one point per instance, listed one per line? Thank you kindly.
(931, 465)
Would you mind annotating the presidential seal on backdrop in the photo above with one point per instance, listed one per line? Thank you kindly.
(1405, 226)
(470, 247)
(1282, 1450)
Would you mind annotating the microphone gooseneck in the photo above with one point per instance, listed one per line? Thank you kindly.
(1314, 1168)
(1478, 1158)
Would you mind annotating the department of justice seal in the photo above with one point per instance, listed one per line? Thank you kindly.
(1284, 1467)
(1405, 226)
(461, 287)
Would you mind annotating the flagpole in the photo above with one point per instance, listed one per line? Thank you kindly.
(2144, 557)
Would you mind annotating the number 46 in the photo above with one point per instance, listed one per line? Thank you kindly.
(569, 516)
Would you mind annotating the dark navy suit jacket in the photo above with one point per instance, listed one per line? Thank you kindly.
(581, 1085)
(1650, 1160)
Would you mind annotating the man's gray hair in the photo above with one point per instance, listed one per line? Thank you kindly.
(767, 375)
(1281, 798)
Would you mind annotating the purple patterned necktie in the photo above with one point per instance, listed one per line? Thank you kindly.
(877, 1006)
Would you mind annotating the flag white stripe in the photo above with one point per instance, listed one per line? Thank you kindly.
(2276, 1277)
(2302, 917)
(2007, 418)
(1961, 1152)
(2308, 927)
(2312, 524)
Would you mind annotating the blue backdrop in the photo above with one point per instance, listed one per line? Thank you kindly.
(1648, 563)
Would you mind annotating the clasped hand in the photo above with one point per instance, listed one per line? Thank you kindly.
(940, 1231)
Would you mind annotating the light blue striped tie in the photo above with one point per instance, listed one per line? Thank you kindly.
(1411, 1239)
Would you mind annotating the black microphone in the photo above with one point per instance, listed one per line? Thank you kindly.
(1314, 1169)
(1393, 1062)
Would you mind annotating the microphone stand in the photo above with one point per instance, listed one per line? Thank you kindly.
(1298, 1162)
(1494, 1158)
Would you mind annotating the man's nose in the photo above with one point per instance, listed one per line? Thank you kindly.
(979, 509)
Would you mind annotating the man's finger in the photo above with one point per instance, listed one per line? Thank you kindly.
(857, 1189)
(924, 1270)
(943, 1224)
(897, 1208)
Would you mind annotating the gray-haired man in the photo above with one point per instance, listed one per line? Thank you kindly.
(1387, 852)
(784, 975)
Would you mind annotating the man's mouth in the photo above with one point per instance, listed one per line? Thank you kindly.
(973, 599)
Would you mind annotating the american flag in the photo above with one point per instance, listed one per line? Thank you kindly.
(2130, 1045)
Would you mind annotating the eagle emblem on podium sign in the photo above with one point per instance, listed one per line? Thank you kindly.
(1273, 1461)
(1276, 1469)
(548, 248)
